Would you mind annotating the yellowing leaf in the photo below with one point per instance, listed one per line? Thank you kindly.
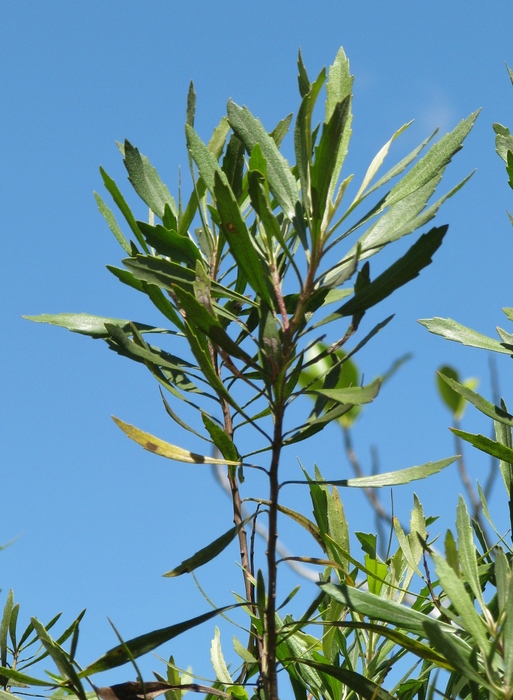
(164, 449)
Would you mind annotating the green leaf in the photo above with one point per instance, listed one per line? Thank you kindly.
(113, 224)
(316, 424)
(170, 243)
(487, 445)
(435, 161)
(191, 105)
(324, 169)
(60, 658)
(354, 395)
(303, 136)
(146, 182)
(503, 141)
(240, 242)
(399, 273)
(221, 440)
(364, 687)
(208, 324)
(401, 476)
(217, 659)
(233, 165)
(377, 608)
(4, 626)
(281, 181)
(118, 198)
(205, 160)
(451, 330)
(93, 326)
(338, 88)
(145, 643)
(452, 398)
(503, 436)
(206, 554)
(446, 644)
(281, 129)
(164, 449)
(23, 679)
(467, 550)
(377, 161)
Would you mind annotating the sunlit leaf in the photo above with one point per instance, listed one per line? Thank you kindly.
(90, 325)
(452, 330)
(146, 181)
(164, 449)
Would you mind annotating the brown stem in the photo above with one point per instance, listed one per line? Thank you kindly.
(269, 666)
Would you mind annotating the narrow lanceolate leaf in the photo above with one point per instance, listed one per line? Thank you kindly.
(452, 330)
(145, 643)
(90, 325)
(402, 476)
(402, 271)
(220, 439)
(377, 162)
(164, 449)
(338, 88)
(113, 224)
(60, 658)
(146, 181)
(377, 608)
(479, 402)
(303, 136)
(22, 679)
(461, 658)
(462, 602)
(354, 395)
(324, 168)
(118, 198)
(4, 627)
(362, 686)
(281, 181)
(484, 444)
(206, 554)
(205, 160)
(435, 160)
(467, 550)
(217, 659)
(239, 240)
(170, 243)
(208, 324)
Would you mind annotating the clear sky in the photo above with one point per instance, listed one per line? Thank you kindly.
(98, 519)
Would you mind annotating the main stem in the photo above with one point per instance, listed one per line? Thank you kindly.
(269, 669)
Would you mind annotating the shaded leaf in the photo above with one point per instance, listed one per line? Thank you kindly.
(145, 643)
(399, 273)
(206, 554)
(240, 242)
(364, 687)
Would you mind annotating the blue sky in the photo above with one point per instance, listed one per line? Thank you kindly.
(98, 519)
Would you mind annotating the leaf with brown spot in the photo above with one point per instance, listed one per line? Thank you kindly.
(165, 449)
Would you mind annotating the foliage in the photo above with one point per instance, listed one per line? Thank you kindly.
(252, 279)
